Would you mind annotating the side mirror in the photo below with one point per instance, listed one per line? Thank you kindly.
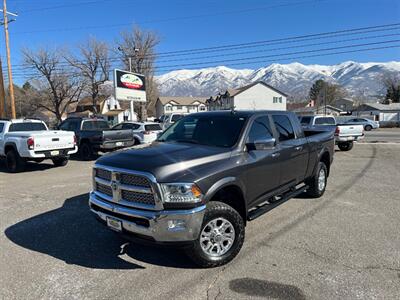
(264, 144)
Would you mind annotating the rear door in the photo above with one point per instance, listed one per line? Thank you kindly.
(263, 168)
(293, 151)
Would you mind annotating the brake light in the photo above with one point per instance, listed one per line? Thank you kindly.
(31, 143)
(337, 131)
(75, 140)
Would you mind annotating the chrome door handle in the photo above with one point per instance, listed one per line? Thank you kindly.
(276, 154)
(298, 148)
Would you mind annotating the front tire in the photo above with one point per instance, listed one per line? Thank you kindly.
(346, 146)
(14, 162)
(317, 184)
(60, 161)
(86, 151)
(221, 236)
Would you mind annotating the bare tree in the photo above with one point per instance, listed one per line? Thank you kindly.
(93, 65)
(57, 87)
(138, 46)
(392, 85)
(324, 92)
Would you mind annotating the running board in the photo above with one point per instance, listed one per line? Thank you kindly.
(254, 214)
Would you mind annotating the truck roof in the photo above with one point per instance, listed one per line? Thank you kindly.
(31, 120)
(240, 113)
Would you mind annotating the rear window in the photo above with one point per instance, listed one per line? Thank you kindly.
(324, 121)
(26, 126)
(152, 127)
(305, 120)
(95, 125)
(284, 127)
(176, 118)
(1, 127)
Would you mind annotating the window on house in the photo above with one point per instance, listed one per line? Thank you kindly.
(280, 99)
(179, 107)
(202, 108)
(168, 108)
(275, 100)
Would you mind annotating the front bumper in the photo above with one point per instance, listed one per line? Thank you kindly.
(157, 226)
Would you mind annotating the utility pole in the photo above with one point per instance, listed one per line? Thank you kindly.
(325, 99)
(10, 80)
(2, 94)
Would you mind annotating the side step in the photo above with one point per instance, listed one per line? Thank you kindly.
(254, 214)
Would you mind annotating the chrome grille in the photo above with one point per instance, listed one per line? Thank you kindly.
(136, 197)
(105, 189)
(129, 188)
(103, 174)
(130, 179)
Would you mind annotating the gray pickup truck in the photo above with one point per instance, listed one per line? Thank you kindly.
(206, 176)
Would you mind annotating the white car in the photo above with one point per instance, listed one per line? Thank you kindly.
(25, 140)
(143, 132)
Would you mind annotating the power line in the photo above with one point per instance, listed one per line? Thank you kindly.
(174, 19)
(280, 56)
(288, 40)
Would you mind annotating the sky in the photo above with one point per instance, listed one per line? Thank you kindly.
(183, 25)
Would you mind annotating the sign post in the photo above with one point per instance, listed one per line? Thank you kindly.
(129, 86)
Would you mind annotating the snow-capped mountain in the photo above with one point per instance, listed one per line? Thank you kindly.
(359, 79)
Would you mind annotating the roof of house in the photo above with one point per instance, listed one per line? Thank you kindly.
(380, 106)
(315, 108)
(182, 100)
(114, 112)
(234, 92)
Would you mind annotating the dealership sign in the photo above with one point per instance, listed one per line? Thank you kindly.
(129, 86)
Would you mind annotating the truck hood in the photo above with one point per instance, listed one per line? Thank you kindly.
(166, 161)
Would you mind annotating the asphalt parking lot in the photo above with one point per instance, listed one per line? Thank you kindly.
(345, 245)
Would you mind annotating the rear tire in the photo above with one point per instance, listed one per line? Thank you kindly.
(60, 161)
(346, 146)
(14, 162)
(317, 184)
(368, 127)
(86, 151)
(222, 231)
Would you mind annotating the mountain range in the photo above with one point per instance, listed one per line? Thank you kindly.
(362, 80)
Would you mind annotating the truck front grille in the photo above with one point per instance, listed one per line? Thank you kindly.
(129, 188)
(130, 179)
(136, 197)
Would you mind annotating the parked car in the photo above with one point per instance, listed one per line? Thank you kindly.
(25, 140)
(345, 134)
(168, 119)
(206, 176)
(94, 134)
(143, 133)
(367, 123)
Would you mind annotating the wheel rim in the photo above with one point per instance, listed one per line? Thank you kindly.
(321, 179)
(217, 237)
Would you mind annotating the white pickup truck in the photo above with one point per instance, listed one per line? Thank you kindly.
(345, 134)
(25, 140)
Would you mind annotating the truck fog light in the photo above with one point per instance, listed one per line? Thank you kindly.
(176, 225)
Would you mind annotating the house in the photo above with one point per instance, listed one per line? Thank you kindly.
(165, 105)
(255, 96)
(112, 110)
(345, 104)
(379, 112)
(318, 110)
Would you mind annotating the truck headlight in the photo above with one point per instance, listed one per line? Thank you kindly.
(181, 193)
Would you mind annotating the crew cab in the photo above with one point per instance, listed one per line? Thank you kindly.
(23, 140)
(94, 135)
(206, 176)
(345, 134)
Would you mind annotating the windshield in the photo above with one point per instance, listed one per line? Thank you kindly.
(95, 125)
(218, 131)
(152, 127)
(26, 126)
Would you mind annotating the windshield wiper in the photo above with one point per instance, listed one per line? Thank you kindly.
(186, 141)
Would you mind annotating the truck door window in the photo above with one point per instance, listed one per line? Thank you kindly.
(324, 121)
(260, 130)
(284, 127)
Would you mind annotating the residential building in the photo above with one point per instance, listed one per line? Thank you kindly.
(165, 105)
(345, 104)
(112, 110)
(379, 112)
(255, 96)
